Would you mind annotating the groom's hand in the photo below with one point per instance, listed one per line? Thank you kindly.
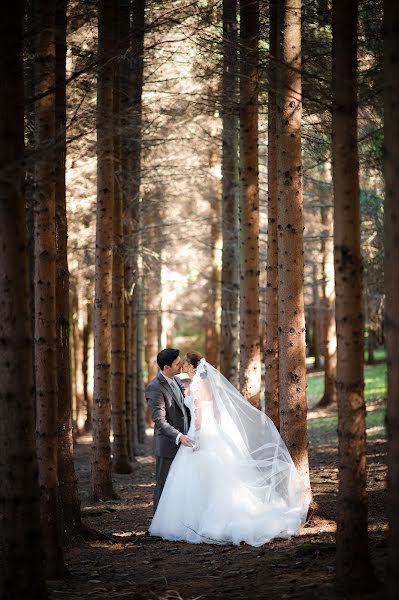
(185, 440)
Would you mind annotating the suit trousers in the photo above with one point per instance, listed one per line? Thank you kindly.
(162, 467)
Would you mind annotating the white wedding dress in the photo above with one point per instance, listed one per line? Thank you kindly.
(238, 483)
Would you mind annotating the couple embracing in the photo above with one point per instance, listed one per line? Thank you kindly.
(223, 472)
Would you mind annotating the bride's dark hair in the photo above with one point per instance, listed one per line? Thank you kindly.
(193, 358)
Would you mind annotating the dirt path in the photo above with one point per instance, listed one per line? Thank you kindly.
(139, 568)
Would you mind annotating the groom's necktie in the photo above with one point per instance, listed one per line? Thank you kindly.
(179, 397)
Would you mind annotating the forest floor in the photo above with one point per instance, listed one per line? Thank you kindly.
(142, 568)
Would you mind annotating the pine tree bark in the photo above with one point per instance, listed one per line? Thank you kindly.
(21, 567)
(45, 287)
(66, 471)
(353, 568)
(291, 316)
(249, 209)
(101, 483)
(272, 407)
(118, 357)
(229, 359)
(391, 170)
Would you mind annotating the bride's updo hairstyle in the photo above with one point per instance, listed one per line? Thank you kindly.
(193, 358)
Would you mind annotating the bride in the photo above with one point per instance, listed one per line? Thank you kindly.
(237, 483)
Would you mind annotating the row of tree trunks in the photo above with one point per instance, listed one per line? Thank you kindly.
(21, 567)
(271, 359)
(291, 322)
(391, 170)
(229, 359)
(101, 450)
(45, 332)
(353, 567)
(249, 202)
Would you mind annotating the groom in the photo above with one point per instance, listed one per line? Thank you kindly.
(165, 396)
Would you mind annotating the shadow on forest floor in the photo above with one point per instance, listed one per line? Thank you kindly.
(140, 568)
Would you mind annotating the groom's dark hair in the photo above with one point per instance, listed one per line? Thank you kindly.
(166, 357)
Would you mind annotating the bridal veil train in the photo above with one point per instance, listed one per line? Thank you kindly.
(238, 483)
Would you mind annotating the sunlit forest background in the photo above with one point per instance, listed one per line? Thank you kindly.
(218, 176)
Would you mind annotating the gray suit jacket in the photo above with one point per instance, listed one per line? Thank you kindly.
(166, 414)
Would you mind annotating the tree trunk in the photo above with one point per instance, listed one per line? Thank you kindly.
(353, 568)
(249, 209)
(118, 383)
(45, 287)
(328, 312)
(21, 567)
(291, 317)
(212, 333)
(76, 361)
(126, 183)
(88, 399)
(140, 395)
(391, 170)
(132, 370)
(229, 359)
(101, 483)
(134, 207)
(317, 342)
(152, 282)
(272, 407)
(66, 471)
(72, 349)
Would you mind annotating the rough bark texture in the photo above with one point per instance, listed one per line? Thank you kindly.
(101, 457)
(229, 359)
(249, 202)
(118, 358)
(291, 317)
(391, 170)
(353, 568)
(21, 567)
(45, 287)
(66, 470)
(272, 407)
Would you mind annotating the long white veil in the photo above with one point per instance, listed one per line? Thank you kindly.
(252, 441)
